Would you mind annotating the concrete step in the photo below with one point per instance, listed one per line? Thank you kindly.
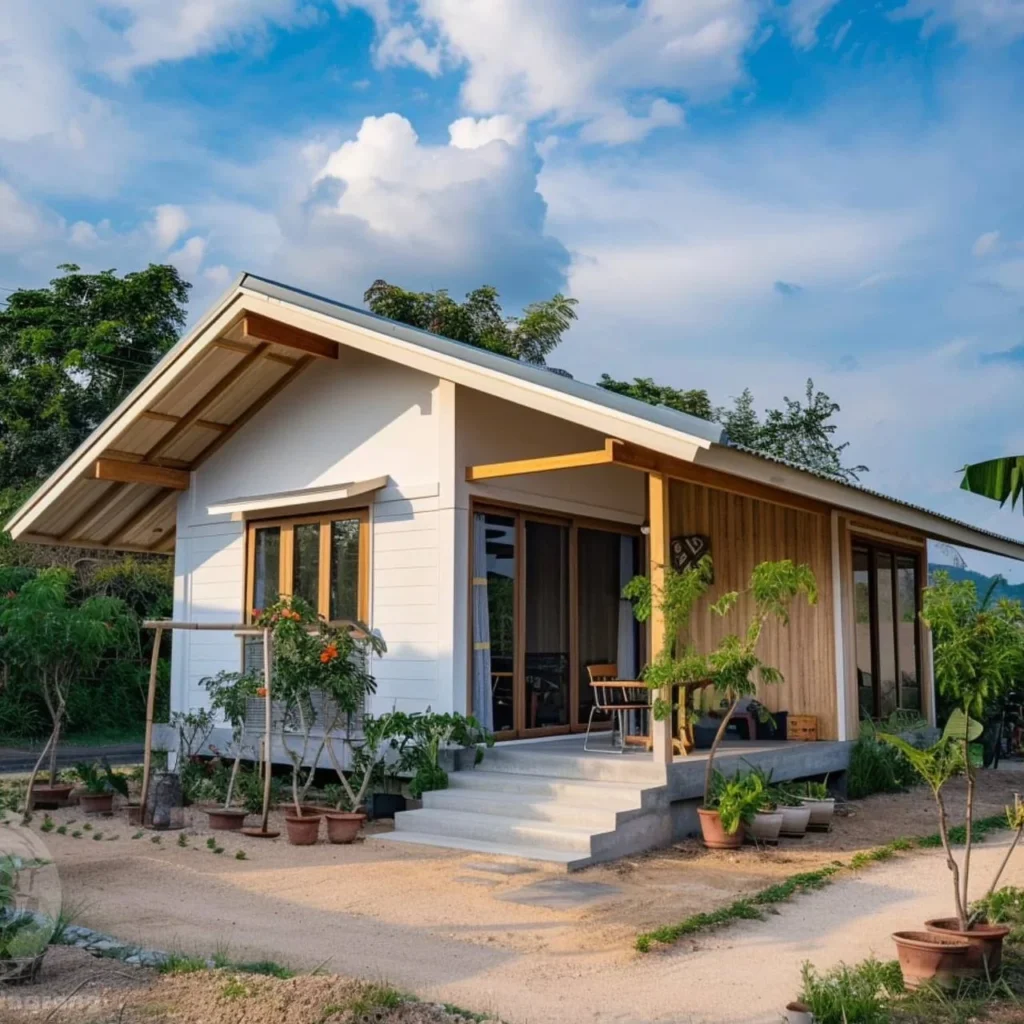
(529, 806)
(567, 858)
(493, 828)
(636, 768)
(580, 792)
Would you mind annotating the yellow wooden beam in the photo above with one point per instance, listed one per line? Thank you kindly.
(658, 554)
(141, 473)
(544, 464)
(262, 328)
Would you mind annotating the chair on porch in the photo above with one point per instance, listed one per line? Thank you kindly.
(616, 698)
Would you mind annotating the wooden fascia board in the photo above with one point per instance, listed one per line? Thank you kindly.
(264, 328)
(634, 457)
(140, 473)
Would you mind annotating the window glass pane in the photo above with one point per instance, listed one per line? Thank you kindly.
(266, 584)
(344, 603)
(888, 698)
(862, 631)
(306, 564)
(501, 576)
(906, 629)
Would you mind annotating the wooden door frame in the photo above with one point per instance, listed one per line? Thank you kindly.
(521, 513)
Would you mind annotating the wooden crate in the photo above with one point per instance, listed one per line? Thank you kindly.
(802, 727)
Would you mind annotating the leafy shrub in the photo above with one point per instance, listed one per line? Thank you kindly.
(876, 767)
(736, 799)
(1004, 906)
(852, 995)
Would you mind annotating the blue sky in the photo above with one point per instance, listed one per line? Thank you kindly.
(739, 193)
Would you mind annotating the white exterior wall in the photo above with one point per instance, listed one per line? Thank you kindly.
(354, 419)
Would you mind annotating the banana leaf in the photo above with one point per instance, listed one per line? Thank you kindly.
(998, 479)
(956, 725)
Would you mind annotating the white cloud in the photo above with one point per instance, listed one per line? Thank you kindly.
(218, 276)
(617, 126)
(401, 44)
(189, 258)
(472, 132)
(169, 223)
(575, 61)
(169, 30)
(991, 22)
(1008, 276)
(22, 224)
(986, 243)
(83, 234)
(802, 19)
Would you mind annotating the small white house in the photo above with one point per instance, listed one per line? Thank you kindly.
(482, 514)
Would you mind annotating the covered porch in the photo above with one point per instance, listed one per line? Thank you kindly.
(563, 618)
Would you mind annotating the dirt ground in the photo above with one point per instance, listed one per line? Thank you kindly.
(445, 924)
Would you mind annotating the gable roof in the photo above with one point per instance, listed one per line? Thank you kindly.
(118, 489)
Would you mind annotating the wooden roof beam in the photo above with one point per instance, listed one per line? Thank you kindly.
(262, 328)
(166, 417)
(244, 349)
(545, 464)
(141, 473)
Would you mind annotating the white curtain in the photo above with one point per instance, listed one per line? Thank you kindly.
(483, 709)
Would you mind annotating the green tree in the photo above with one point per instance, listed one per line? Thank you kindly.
(741, 421)
(70, 352)
(480, 320)
(644, 389)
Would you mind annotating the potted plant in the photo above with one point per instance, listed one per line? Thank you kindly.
(733, 803)
(978, 654)
(795, 814)
(347, 817)
(425, 737)
(53, 641)
(315, 665)
(230, 693)
(822, 805)
(733, 667)
(101, 783)
(766, 823)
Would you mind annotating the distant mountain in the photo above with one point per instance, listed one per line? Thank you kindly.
(1012, 591)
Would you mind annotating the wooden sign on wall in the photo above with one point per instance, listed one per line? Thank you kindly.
(688, 550)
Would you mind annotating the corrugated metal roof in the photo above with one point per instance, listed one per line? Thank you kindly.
(867, 490)
(542, 375)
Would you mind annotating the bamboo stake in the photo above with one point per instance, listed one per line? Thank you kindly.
(267, 724)
(147, 762)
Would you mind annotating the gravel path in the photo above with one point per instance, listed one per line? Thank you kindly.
(301, 915)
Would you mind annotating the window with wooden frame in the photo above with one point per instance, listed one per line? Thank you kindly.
(324, 559)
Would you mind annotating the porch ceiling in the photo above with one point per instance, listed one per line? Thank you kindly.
(125, 498)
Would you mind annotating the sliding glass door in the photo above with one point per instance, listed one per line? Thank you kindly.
(887, 587)
(546, 603)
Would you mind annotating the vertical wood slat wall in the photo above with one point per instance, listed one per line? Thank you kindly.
(743, 532)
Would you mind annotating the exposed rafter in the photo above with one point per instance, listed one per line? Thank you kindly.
(141, 473)
(262, 328)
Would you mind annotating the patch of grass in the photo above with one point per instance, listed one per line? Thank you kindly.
(235, 989)
(748, 908)
(62, 830)
(211, 843)
(267, 968)
(77, 834)
(376, 997)
(48, 824)
(179, 964)
(139, 834)
(241, 855)
(458, 1011)
(155, 839)
(182, 839)
(859, 993)
(87, 827)
(97, 836)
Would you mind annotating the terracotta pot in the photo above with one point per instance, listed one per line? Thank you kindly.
(51, 796)
(930, 956)
(798, 1013)
(821, 813)
(97, 803)
(985, 944)
(343, 827)
(314, 809)
(794, 821)
(765, 827)
(715, 836)
(225, 819)
(304, 831)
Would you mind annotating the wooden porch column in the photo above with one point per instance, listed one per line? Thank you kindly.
(658, 554)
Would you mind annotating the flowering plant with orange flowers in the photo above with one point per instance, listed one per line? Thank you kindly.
(320, 673)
